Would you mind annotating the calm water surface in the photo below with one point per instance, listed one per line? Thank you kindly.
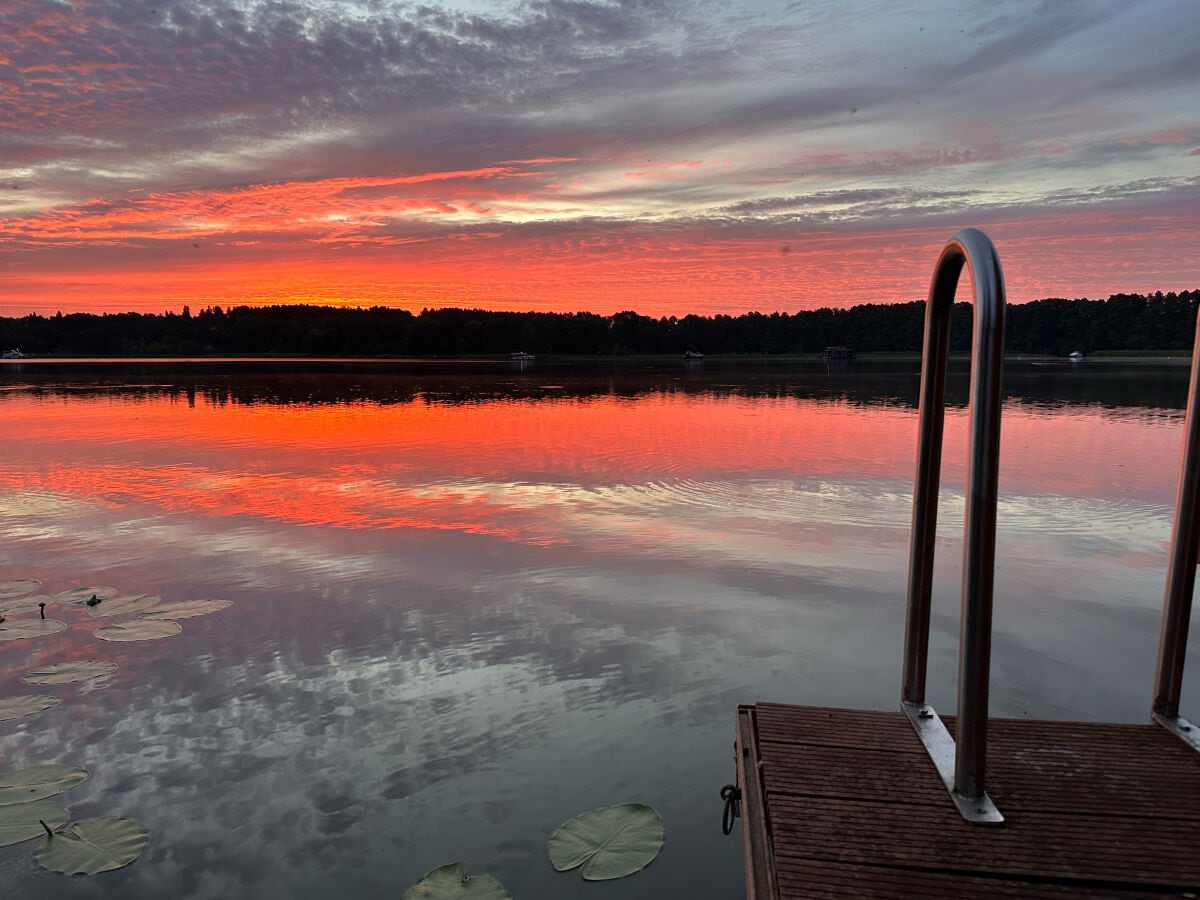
(472, 601)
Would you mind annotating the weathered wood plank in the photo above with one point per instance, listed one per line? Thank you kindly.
(1033, 776)
(872, 730)
(833, 772)
(1111, 849)
(799, 878)
(756, 844)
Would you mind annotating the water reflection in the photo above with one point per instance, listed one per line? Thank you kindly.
(469, 605)
(1139, 386)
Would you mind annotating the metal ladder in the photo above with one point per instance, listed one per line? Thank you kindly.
(1181, 573)
(962, 764)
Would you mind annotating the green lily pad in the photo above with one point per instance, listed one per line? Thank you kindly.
(18, 588)
(15, 629)
(20, 605)
(609, 843)
(25, 705)
(84, 594)
(186, 609)
(139, 630)
(38, 782)
(20, 822)
(119, 606)
(92, 845)
(450, 882)
(67, 672)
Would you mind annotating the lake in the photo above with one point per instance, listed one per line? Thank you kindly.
(472, 600)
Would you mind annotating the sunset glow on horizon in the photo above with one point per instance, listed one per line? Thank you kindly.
(597, 155)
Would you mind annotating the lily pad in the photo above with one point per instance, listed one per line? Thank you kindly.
(25, 705)
(186, 609)
(67, 672)
(84, 594)
(119, 606)
(450, 882)
(139, 630)
(93, 845)
(609, 843)
(20, 822)
(38, 782)
(18, 588)
(15, 629)
(19, 605)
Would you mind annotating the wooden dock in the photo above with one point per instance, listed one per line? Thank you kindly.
(847, 803)
(841, 803)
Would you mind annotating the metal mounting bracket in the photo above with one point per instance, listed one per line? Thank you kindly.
(940, 747)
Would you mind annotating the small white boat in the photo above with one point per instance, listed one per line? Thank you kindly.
(521, 356)
(692, 354)
(1076, 356)
(14, 354)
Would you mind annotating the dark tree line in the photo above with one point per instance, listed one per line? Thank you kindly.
(1055, 326)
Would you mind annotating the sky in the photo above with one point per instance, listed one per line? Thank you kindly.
(601, 155)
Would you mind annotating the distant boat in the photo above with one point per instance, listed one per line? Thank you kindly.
(692, 354)
(521, 356)
(14, 354)
(836, 353)
(1075, 356)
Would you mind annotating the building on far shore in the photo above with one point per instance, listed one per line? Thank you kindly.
(831, 353)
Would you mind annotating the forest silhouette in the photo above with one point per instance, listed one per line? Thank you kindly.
(1122, 322)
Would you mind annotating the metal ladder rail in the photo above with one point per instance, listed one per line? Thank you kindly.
(1181, 573)
(962, 764)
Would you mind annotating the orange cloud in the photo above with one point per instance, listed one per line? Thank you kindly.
(331, 208)
(490, 237)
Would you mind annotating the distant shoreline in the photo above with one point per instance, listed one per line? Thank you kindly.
(1169, 357)
(1125, 325)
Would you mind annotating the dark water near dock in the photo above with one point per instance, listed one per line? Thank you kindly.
(474, 600)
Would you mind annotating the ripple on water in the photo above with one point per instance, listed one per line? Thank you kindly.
(1131, 525)
(864, 504)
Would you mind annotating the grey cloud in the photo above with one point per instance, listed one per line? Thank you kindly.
(212, 76)
(1145, 188)
(1016, 35)
(1168, 67)
(841, 198)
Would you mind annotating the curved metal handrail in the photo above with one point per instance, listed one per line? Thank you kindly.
(1181, 572)
(962, 764)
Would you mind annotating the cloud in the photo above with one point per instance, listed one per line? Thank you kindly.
(257, 127)
(1016, 34)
